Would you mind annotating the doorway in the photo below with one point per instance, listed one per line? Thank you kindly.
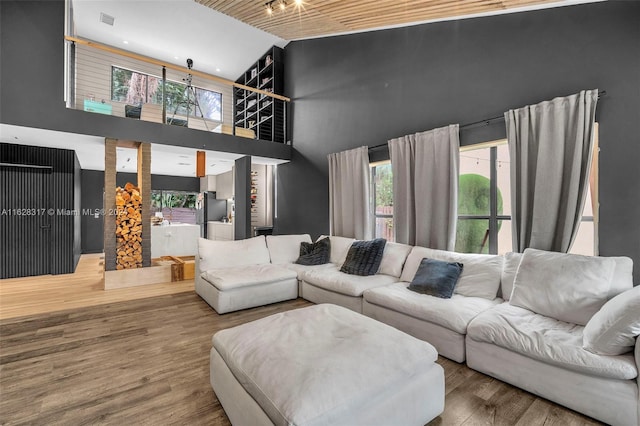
(25, 220)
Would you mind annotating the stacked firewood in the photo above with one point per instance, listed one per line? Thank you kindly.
(128, 227)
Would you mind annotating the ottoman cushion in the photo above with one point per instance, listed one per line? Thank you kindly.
(319, 365)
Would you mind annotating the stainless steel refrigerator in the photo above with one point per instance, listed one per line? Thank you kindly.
(209, 209)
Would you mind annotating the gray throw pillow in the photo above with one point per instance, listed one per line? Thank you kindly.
(315, 253)
(364, 257)
(436, 278)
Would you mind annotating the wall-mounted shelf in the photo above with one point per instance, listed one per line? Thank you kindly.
(259, 112)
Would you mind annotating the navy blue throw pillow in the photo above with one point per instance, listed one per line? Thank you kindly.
(364, 257)
(436, 278)
(315, 253)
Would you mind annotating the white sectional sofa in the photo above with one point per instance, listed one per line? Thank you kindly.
(535, 345)
(441, 322)
(546, 355)
(234, 275)
(329, 285)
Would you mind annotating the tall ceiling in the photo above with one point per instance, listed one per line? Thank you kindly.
(224, 37)
(315, 18)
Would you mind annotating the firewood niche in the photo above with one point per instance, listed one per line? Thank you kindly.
(127, 234)
(128, 227)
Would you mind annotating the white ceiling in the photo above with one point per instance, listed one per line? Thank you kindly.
(174, 30)
(165, 159)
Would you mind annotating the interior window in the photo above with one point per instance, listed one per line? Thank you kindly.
(136, 88)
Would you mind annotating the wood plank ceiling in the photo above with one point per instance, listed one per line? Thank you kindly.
(324, 17)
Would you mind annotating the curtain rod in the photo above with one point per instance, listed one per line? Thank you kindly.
(486, 121)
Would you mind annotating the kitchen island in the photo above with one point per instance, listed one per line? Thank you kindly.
(217, 230)
(176, 239)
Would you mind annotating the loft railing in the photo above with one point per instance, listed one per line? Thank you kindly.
(107, 80)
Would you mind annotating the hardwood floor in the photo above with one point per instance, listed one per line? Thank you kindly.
(140, 355)
(146, 362)
(85, 287)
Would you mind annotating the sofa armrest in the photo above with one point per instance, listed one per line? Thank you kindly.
(637, 356)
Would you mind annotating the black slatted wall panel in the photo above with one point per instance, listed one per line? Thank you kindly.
(24, 219)
(42, 180)
(77, 206)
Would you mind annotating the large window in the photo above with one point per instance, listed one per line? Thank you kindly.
(382, 195)
(136, 88)
(484, 203)
(484, 200)
(174, 206)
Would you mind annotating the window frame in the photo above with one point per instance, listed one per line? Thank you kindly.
(493, 217)
(374, 215)
(146, 94)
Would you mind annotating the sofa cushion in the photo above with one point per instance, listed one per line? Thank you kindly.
(299, 269)
(339, 282)
(364, 257)
(454, 314)
(622, 276)
(480, 277)
(568, 287)
(393, 258)
(547, 340)
(314, 253)
(509, 269)
(339, 248)
(285, 248)
(436, 278)
(222, 254)
(614, 328)
(236, 277)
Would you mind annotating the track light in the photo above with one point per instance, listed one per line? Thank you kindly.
(282, 5)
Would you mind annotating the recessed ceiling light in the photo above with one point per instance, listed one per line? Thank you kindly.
(217, 69)
(125, 42)
(175, 57)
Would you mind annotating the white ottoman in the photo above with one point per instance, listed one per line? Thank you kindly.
(325, 365)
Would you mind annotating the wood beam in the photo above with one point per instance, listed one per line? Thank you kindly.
(201, 166)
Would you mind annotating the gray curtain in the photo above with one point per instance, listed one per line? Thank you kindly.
(550, 145)
(425, 187)
(349, 204)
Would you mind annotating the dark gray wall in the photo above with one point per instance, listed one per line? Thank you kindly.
(92, 199)
(242, 194)
(58, 221)
(32, 81)
(364, 89)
